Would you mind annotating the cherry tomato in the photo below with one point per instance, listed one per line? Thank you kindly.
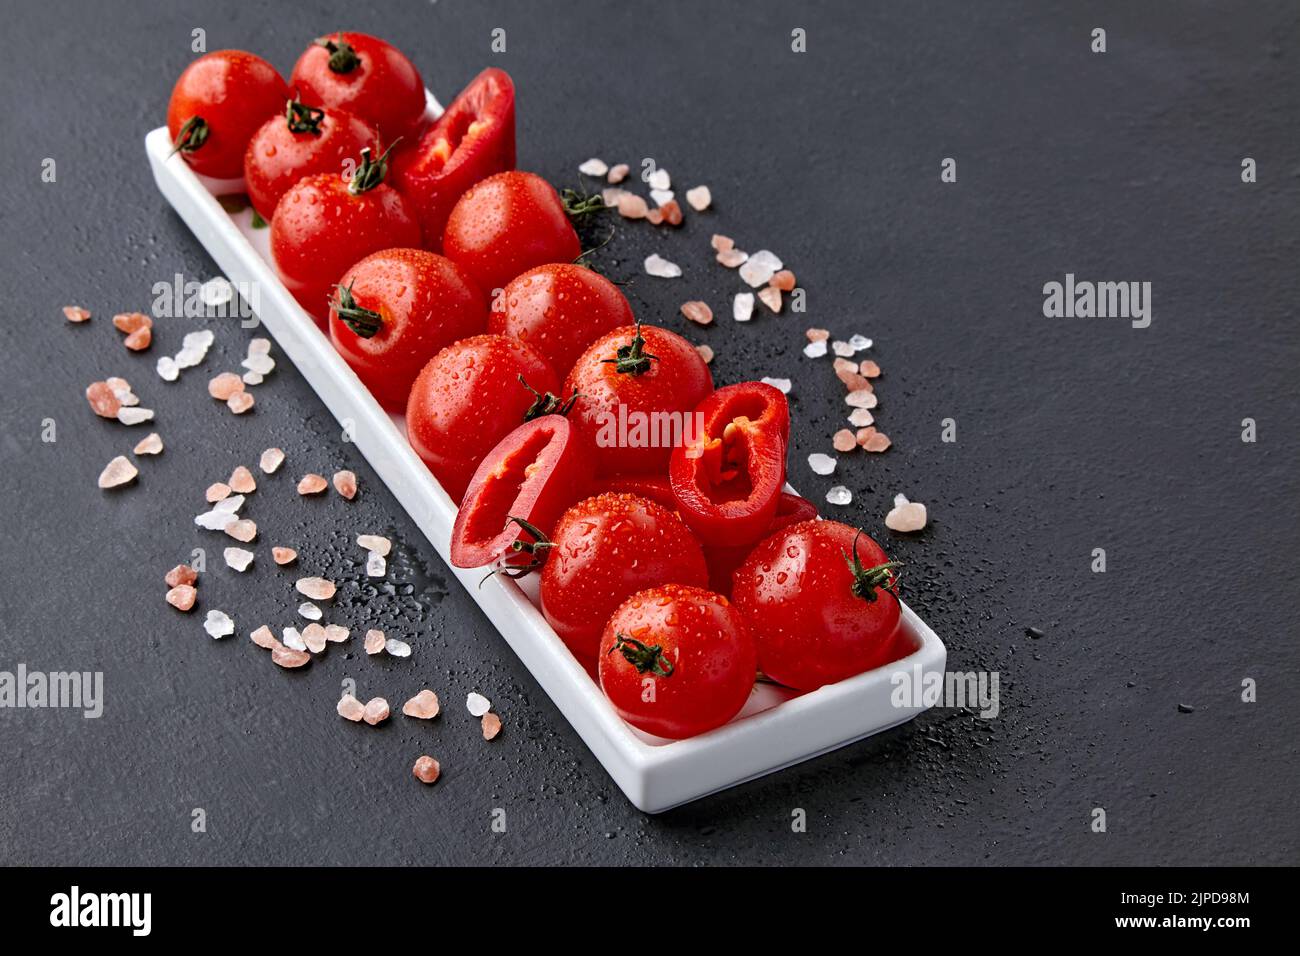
(469, 397)
(818, 597)
(676, 661)
(395, 310)
(723, 561)
(637, 387)
(217, 105)
(506, 224)
(560, 309)
(325, 223)
(517, 493)
(365, 76)
(473, 139)
(303, 141)
(603, 551)
(728, 478)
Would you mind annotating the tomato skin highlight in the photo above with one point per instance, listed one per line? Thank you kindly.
(796, 590)
(467, 399)
(728, 481)
(723, 561)
(277, 157)
(233, 92)
(607, 548)
(426, 303)
(534, 473)
(473, 139)
(560, 309)
(321, 228)
(383, 87)
(506, 224)
(702, 640)
(672, 385)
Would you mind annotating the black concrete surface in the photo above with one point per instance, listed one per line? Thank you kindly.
(1073, 434)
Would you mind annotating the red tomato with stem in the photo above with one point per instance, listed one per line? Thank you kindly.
(470, 396)
(217, 105)
(723, 561)
(560, 309)
(473, 139)
(395, 310)
(677, 661)
(366, 76)
(507, 224)
(819, 598)
(605, 549)
(728, 478)
(325, 223)
(637, 387)
(517, 493)
(304, 141)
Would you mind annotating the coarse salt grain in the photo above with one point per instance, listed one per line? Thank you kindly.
(75, 313)
(218, 624)
(336, 633)
(139, 340)
(631, 206)
(117, 472)
(869, 369)
(861, 398)
(217, 291)
(349, 708)
(374, 641)
(134, 416)
(697, 312)
(293, 639)
(423, 706)
(312, 484)
(906, 516)
(699, 198)
(241, 402)
(783, 385)
(376, 543)
(310, 611)
(661, 196)
(817, 335)
(705, 353)
(129, 322)
(289, 657)
(223, 386)
(839, 495)
(617, 173)
(231, 504)
(770, 297)
(426, 769)
(181, 574)
(238, 558)
(783, 279)
(844, 440)
(284, 555)
(258, 364)
(241, 480)
(815, 349)
(376, 711)
(397, 648)
(242, 530)
(742, 306)
(182, 597)
(477, 704)
(594, 167)
(756, 272)
(152, 445)
(376, 565)
(821, 464)
(318, 589)
(271, 460)
(313, 635)
(732, 258)
(659, 179)
(841, 348)
(103, 400)
(491, 726)
(860, 417)
(167, 369)
(215, 520)
(263, 637)
(876, 441)
(656, 265)
(721, 243)
(345, 483)
(859, 342)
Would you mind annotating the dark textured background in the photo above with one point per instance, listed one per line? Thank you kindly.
(1073, 434)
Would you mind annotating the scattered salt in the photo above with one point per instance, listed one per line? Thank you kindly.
(660, 267)
(821, 464)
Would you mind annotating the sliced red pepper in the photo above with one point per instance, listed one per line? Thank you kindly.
(723, 561)
(532, 475)
(654, 487)
(473, 139)
(728, 481)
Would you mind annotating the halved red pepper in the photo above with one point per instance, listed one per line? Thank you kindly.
(723, 561)
(529, 478)
(473, 139)
(728, 480)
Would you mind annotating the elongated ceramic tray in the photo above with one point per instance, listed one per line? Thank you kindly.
(776, 729)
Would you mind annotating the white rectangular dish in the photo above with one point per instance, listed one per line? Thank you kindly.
(777, 728)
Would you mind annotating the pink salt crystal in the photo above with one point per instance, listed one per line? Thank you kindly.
(861, 398)
(318, 589)
(241, 481)
(870, 369)
(263, 637)
(312, 484)
(103, 401)
(217, 491)
(151, 445)
(75, 313)
(117, 472)
(654, 216)
(336, 633)
(374, 641)
(288, 657)
(632, 206)
(349, 708)
(345, 483)
(376, 711)
(731, 258)
(129, 322)
(877, 442)
(313, 635)
(783, 280)
(852, 380)
(617, 173)
(426, 769)
(722, 243)
(283, 555)
(242, 530)
(423, 706)
(705, 353)
(672, 212)
(697, 312)
(491, 725)
(770, 297)
(182, 597)
(817, 335)
(225, 385)
(271, 460)
(139, 340)
(699, 197)
(240, 402)
(844, 440)
(181, 574)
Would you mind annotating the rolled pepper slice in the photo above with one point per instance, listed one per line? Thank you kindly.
(529, 479)
(472, 140)
(728, 477)
(723, 561)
